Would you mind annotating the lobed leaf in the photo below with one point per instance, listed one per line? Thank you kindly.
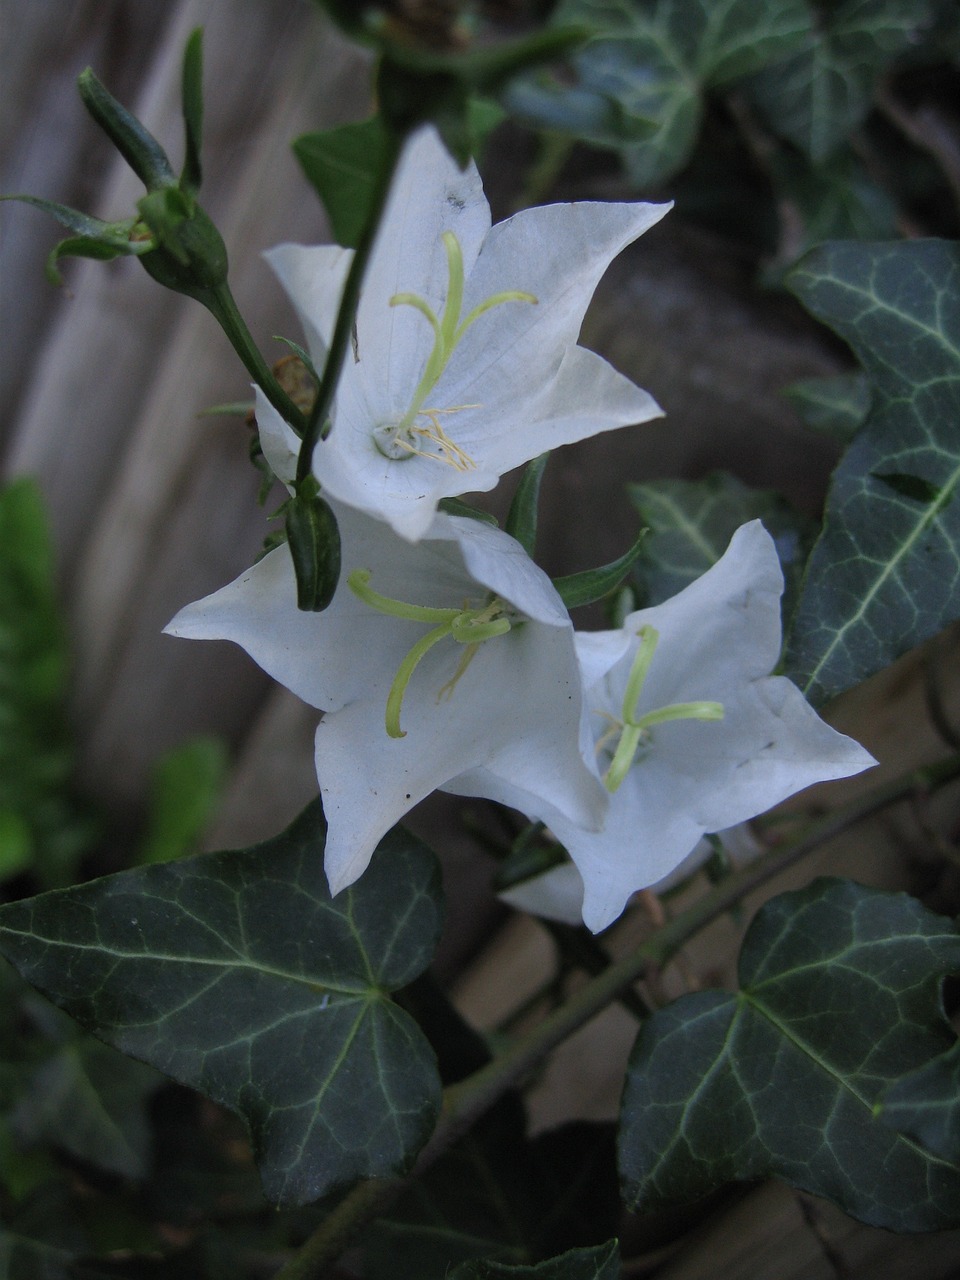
(818, 95)
(885, 573)
(237, 974)
(834, 406)
(926, 1105)
(839, 995)
(690, 523)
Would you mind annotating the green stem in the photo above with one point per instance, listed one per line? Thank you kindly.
(466, 1101)
(349, 300)
(220, 302)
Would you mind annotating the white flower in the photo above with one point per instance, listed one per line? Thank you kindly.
(465, 361)
(451, 657)
(690, 732)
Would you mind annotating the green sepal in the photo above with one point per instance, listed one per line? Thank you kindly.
(94, 238)
(577, 589)
(137, 145)
(342, 165)
(521, 522)
(454, 507)
(192, 98)
(314, 541)
(190, 257)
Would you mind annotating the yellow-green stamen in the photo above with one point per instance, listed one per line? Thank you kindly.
(634, 728)
(468, 627)
(409, 437)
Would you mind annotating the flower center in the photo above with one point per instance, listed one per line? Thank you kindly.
(419, 432)
(633, 730)
(469, 627)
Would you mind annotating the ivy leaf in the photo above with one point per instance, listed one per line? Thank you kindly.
(926, 1105)
(691, 522)
(835, 406)
(599, 1263)
(91, 1101)
(643, 76)
(818, 95)
(839, 995)
(884, 574)
(342, 165)
(237, 974)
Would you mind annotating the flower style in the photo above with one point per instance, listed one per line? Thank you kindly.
(450, 657)
(690, 733)
(465, 361)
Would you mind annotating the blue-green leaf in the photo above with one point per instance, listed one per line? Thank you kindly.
(237, 974)
(885, 573)
(834, 406)
(819, 94)
(691, 522)
(839, 996)
(926, 1105)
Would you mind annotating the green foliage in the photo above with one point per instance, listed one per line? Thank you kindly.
(885, 572)
(237, 974)
(342, 165)
(500, 1195)
(839, 996)
(590, 585)
(43, 830)
(521, 522)
(834, 406)
(926, 1105)
(691, 522)
(185, 788)
(819, 94)
(600, 1263)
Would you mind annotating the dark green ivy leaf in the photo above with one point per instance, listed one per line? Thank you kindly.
(839, 995)
(91, 1101)
(237, 974)
(819, 94)
(834, 406)
(599, 1263)
(885, 572)
(691, 522)
(640, 82)
(926, 1105)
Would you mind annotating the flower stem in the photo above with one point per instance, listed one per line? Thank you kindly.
(467, 1100)
(349, 300)
(220, 302)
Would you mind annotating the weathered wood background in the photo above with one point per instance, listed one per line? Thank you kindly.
(101, 386)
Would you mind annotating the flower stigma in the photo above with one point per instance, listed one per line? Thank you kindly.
(634, 730)
(420, 432)
(469, 627)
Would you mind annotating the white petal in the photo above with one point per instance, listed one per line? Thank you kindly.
(278, 440)
(556, 894)
(313, 277)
